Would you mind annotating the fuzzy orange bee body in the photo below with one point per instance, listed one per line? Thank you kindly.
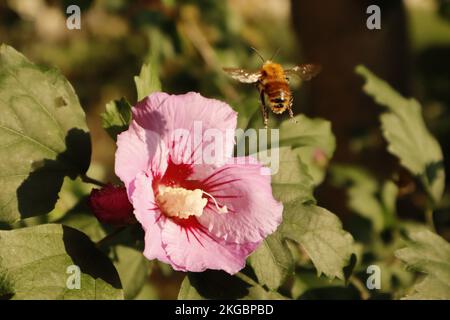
(274, 87)
(272, 82)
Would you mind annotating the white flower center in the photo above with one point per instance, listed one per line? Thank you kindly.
(183, 203)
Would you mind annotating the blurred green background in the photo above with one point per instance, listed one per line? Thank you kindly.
(191, 40)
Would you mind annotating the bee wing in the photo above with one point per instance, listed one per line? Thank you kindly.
(242, 75)
(304, 71)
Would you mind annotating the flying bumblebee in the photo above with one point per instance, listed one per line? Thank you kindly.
(272, 82)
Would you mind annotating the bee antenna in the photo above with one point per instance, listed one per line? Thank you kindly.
(259, 54)
(275, 53)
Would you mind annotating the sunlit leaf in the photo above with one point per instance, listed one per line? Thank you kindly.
(42, 269)
(408, 137)
(148, 292)
(430, 288)
(430, 254)
(314, 140)
(272, 261)
(321, 235)
(86, 223)
(148, 81)
(116, 117)
(303, 131)
(43, 136)
(291, 179)
(133, 269)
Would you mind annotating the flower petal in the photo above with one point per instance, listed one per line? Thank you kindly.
(195, 250)
(195, 129)
(139, 150)
(147, 114)
(143, 200)
(153, 244)
(252, 214)
(148, 214)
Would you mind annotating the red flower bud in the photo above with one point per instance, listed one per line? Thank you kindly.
(110, 205)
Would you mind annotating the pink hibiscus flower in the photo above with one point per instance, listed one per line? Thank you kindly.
(197, 212)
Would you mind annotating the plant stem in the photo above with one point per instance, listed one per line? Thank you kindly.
(246, 279)
(109, 237)
(363, 292)
(87, 179)
(429, 219)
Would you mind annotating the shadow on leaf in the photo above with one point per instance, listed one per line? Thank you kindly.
(38, 193)
(213, 284)
(88, 258)
(432, 170)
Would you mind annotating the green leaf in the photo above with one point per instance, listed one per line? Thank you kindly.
(389, 194)
(306, 280)
(394, 277)
(291, 179)
(361, 192)
(314, 140)
(43, 136)
(148, 292)
(148, 81)
(307, 132)
(430, 288)
(408, 138)
(365, 195)
(133, 269)
(86, 223)
(272, 261)
(130, 263)
(116, 117)
(132, 266)
(34, 264)
(321, 235)
(430, 254)
(213, 284)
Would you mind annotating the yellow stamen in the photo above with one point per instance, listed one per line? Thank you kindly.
(183, 203)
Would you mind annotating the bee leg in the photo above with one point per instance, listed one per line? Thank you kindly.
(291, 113)
(264, 111)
